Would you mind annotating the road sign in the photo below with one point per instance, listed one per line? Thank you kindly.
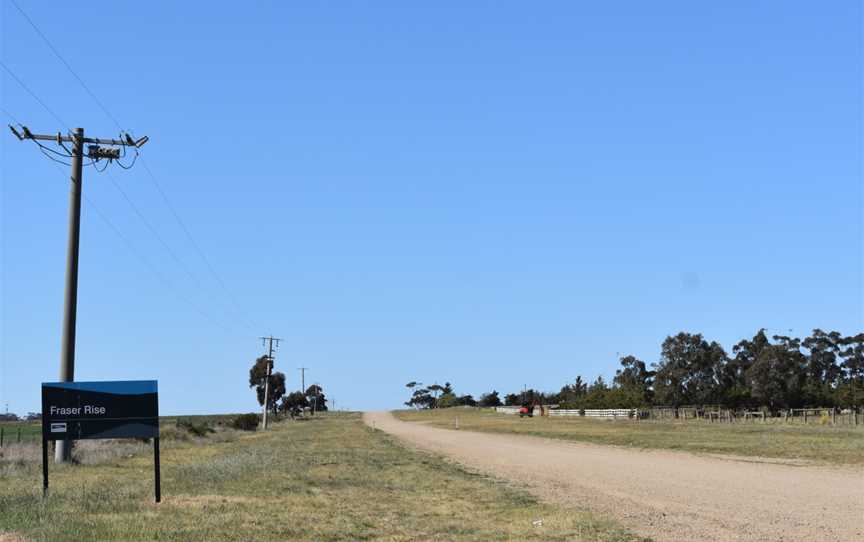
(100, 410)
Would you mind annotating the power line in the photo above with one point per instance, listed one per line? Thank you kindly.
(33, 94)
(238, 309)
(117, 231)
(152, 177)
(155, 232)
(63, 60)
(130, 246)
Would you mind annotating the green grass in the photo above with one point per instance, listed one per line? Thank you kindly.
(330, 478)
(30, 431)
(821, 444)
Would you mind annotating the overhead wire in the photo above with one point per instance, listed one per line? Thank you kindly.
(63, 60)
(237, 308)
(33, 94)
(154, 231)
(129, 245)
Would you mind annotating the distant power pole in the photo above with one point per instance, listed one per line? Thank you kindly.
(302, 378)
(63, 448)
(264, 341)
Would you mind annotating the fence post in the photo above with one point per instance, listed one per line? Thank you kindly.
(1, 437)
(833, 416)
(19, 435)
(805, 416)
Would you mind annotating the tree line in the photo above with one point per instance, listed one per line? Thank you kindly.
(278, 399)
(825, 369)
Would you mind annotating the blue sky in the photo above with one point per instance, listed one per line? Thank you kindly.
(487, 193)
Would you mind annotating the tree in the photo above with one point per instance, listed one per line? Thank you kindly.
(315, 396)
(512, 399)
(570, 394)
(633, 383)
(822, 374)
(466, 400)
(294, 400)
(596, 396)
(735, 387)
(689, 370)
(490, 399)
(421, 398)
(777, 376)
(447, 400)
(257, 380)
(851, 393)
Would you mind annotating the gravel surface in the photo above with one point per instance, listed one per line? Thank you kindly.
(664, 495)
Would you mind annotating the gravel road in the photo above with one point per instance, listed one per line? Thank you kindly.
(665, 495)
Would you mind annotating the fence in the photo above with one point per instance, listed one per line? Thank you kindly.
(714, 414)
(606, 413)
(821, 415)
(14, 433)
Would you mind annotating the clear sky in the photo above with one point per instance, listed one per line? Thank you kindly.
(487, 193)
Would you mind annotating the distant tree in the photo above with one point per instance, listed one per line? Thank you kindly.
(633, 383)
(466, 400)
(276, 391)
(776, 378)
(447, 400)
(735, 387)
(596, 396)
(512, 399)
(851, 392)
(257, 380)
(570, 394)
(822, 373)
(421, 398)
(293, 401)
(315, 396)
(490, 399)
(689, 370)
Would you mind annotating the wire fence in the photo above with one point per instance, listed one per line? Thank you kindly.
(19, 433)
(849, 417)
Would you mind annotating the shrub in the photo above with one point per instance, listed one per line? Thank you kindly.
(199, 430)
(245, 422)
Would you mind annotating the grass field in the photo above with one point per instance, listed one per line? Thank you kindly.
(330, 478)
(28, 431)
(822, 444)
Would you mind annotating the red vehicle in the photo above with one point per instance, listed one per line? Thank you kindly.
(526, 411)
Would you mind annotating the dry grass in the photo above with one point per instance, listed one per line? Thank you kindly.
(327, 479)
(842, 445)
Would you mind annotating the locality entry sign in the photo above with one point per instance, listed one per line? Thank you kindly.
(97, 410)
(100, 410)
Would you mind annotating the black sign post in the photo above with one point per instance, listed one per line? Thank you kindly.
(100, 410)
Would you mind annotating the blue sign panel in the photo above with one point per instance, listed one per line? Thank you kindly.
(97, 410)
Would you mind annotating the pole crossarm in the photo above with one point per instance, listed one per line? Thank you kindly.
(25, 133)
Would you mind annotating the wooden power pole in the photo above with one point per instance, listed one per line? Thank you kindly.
(265, 341)
(95, 152)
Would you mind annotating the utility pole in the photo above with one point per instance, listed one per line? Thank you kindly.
(302, 379)
(63, 448)
(264, 341)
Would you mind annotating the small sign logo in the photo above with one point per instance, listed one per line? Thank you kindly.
(58, 427)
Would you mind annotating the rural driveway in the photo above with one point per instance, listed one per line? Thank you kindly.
(666, 495)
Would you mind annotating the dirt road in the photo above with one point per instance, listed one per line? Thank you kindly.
(669, 496)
